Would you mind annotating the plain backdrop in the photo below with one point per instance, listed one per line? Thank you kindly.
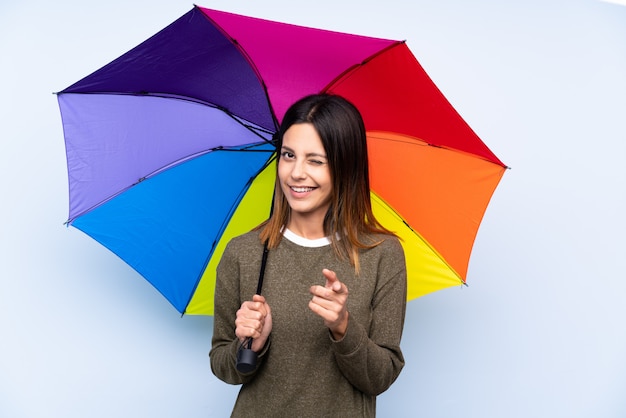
(537, 333)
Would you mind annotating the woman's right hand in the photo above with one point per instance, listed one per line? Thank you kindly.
(254, 320)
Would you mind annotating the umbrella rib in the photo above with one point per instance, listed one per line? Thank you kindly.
(245, 54)
(253, 128)
(354, 67)
(151, 94)
(389, 208)
(405, 139)
(243, 122)
(246, 148)
(225, 222)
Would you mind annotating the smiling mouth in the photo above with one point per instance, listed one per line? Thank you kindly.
(302, 189)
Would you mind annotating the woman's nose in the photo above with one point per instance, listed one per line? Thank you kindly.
(298, 170)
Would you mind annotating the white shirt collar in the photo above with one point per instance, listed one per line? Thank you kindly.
(305, 242)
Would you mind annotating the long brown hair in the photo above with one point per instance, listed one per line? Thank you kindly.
(349, 222)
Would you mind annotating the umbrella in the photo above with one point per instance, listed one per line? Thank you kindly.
(170, 151)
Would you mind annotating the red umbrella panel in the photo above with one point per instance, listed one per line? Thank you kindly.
(170, 150)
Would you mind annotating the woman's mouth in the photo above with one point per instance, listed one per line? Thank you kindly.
(302, 189)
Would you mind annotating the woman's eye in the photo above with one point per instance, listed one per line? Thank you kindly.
(286, 154)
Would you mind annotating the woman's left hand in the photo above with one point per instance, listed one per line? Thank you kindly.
(329, 302)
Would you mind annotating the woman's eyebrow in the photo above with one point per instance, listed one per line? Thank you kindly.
(310, 154)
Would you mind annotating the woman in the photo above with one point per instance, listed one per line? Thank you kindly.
(327, 329)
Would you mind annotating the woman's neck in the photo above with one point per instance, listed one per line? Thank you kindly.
(306, 228)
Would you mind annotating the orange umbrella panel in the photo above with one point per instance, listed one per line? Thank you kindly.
(441, 194)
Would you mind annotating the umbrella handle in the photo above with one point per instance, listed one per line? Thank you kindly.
(246, 358)
(259, 285)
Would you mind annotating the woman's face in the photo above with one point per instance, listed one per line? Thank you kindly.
(304, 173)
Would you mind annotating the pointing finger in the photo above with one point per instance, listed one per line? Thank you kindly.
(332, 282)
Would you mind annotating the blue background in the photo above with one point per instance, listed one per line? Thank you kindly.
(539, 331)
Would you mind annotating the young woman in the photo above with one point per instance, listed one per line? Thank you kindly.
(327, 329)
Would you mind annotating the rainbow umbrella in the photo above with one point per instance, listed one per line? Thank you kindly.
(170, 151)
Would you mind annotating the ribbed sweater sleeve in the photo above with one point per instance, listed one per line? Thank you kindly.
(371, 359)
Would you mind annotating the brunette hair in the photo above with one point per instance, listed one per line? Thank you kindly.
(349, 222)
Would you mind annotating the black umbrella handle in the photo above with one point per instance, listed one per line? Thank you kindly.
(246, 358)
(259, 285)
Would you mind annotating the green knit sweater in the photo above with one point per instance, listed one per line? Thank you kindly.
(302, 371)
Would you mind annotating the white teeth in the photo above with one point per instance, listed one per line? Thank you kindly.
(302, 189)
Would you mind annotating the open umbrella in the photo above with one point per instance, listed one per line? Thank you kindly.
(170, 151)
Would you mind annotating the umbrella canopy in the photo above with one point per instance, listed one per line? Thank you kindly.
(170, 151)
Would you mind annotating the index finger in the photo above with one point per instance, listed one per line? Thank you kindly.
(258, 298)
(332, 281)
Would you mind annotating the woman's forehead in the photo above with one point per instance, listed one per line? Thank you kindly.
(303, 137)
